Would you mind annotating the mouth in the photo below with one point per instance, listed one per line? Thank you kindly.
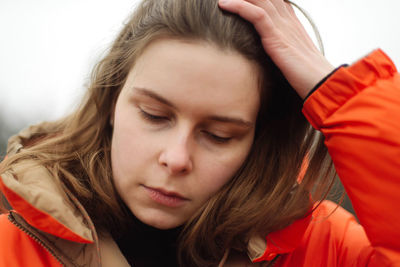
(164, 197)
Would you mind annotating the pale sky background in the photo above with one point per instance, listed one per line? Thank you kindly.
(48, 47)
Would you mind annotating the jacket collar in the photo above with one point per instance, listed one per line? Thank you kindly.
(33, 193)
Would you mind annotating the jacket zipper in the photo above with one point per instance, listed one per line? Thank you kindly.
(34, 237)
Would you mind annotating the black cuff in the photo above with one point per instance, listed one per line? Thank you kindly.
(323, 80)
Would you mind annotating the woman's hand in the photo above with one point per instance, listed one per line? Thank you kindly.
(285, 41)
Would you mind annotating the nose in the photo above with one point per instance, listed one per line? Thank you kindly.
(176, 157)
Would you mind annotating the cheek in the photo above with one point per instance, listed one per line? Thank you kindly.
(128, 147)
(221, 169)
(120, 158)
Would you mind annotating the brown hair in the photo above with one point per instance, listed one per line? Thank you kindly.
(263, 196)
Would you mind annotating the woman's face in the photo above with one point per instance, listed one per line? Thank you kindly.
(183, 125)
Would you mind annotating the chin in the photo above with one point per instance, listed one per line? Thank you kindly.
(162, 225)
(159, 219)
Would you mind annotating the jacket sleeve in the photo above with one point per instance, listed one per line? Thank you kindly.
(358, 111)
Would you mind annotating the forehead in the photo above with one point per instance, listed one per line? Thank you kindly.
(198, 75)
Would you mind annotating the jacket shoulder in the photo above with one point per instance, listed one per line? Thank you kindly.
(333, 238)
(18, 249)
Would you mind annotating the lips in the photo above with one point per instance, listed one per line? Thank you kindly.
(164, 197)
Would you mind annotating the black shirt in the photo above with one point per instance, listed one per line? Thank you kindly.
(143, 245)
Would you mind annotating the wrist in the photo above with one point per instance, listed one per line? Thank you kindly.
(322, 81)
(316, 73)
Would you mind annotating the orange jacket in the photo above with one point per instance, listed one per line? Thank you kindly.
(358, 111)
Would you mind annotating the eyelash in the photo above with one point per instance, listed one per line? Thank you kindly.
(160, 119)
(152, 118)
(218, 139)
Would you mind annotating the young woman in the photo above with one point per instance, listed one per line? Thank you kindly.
(190, 149)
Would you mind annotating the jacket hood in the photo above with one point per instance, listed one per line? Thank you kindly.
(44, 203)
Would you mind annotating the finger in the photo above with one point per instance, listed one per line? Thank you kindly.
(273, 7)
(277, 17)
(288, 5)
(281, 6)
(300, 26)
(250, 12)
(267, 6)
(289, 8)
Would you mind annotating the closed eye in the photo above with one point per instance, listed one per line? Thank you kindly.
(156, 119)
(152, 118)
(218, 139)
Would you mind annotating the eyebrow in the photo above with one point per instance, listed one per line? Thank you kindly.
(151, 94)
